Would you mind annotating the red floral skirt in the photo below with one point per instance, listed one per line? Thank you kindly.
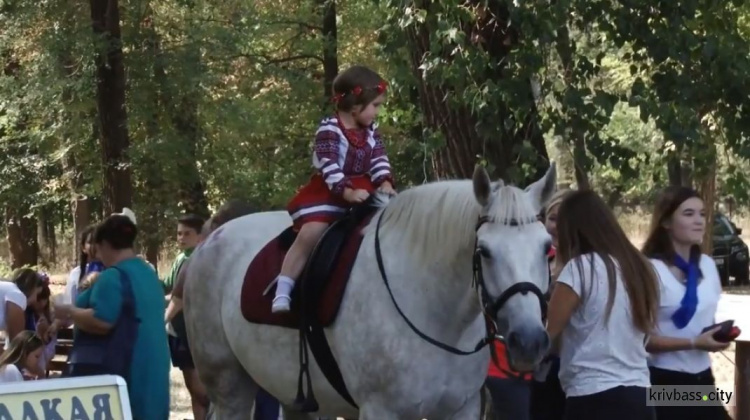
(315, 202)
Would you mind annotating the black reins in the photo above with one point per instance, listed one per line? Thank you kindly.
(490, 308)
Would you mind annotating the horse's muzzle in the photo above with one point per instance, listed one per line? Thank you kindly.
(527, 346)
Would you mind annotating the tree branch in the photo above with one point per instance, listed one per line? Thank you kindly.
(279, 60)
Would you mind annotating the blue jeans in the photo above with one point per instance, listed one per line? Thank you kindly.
(510, 398)
(266, 406)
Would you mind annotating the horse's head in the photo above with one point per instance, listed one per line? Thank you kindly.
(510, 263)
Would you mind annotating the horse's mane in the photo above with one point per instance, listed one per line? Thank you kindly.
(434, 220)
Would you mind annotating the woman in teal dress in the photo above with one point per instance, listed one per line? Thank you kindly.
(99, 307)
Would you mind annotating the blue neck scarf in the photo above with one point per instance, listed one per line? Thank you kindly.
(94, 267)
(689, 302)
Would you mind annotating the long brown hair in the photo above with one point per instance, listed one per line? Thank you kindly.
(27, 280)
(587, 226)
(659, 244)
(20, 347)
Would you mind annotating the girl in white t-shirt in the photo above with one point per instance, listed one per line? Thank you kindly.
(15, 295)
(603, 305)
(690, 291)
(22, 354)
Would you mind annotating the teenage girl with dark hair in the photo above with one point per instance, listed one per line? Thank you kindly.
(690, 292)
(100, 311)
(603, 305)
(87, 264)
(15, 296)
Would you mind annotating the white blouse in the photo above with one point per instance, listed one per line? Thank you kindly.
(672, 291)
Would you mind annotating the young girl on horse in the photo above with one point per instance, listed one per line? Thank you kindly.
(350, 162)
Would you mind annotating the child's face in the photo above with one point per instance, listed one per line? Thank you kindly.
(365, 116)
(187, 237)
(32, 359)
(40, 304)
(31, 300)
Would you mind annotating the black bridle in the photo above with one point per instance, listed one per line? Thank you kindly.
(490, 307)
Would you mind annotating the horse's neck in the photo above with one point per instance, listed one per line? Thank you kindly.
(443, 298)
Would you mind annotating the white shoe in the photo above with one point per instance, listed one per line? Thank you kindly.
(281, 303)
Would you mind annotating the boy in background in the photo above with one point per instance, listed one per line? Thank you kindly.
(189, 235)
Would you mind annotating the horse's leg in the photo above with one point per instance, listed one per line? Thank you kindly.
(229, 387)
(376, 412)
(471, 409)
(290, 414)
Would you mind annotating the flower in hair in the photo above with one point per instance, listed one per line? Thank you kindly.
(337, 98)
(357, 90)
(382, 86)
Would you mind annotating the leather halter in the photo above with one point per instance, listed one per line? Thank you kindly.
(478, 283)
(492, 307)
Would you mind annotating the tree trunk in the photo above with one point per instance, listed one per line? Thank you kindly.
(458, 125)
(110, 100)
(151, 172)
(46, 236)
(330, 47)
(191, 191)
(707, 189)
(41, 237)
(52, 240)
(22, 237)
(581, 160)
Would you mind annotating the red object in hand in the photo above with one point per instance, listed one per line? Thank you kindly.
(734, 333)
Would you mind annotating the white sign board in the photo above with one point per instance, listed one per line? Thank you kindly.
(92, 398)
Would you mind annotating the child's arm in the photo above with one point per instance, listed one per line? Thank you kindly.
(380, 167)
(326, 160)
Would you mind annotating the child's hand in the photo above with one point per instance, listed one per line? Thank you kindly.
(387, 188)
(42, 327)
(355, 196)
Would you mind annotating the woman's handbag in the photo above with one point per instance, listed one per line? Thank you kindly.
(111, 353)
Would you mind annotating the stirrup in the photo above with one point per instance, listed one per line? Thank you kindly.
(281, 303)
(270, 286)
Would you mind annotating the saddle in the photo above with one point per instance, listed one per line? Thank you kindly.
(316, 297)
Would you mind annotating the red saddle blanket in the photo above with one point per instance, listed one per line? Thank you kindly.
(264, 268)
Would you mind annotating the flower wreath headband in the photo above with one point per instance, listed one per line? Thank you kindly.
(380, 88)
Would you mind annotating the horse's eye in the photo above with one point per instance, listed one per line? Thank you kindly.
(483, 252)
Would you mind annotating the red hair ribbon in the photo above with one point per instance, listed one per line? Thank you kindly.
(357, 90)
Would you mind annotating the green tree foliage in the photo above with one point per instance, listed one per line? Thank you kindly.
(223, 97)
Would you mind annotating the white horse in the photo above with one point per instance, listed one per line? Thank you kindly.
(429, 236)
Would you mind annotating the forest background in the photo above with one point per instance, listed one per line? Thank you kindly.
(180, 105)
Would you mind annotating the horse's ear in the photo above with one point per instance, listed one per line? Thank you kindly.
(482, 185)
(543, 189)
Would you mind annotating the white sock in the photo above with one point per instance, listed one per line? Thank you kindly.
(284, 286)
